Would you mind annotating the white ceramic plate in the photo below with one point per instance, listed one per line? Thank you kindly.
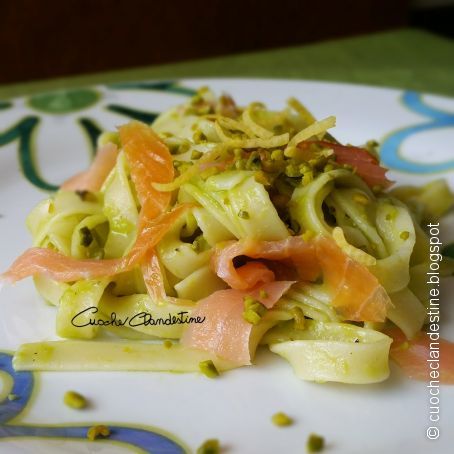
(47, 138)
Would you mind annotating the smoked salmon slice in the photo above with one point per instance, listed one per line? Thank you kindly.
(62, 268)
(150, 160)
(356, 293)
(418, 360)
(224, 331)
(93, 178)
(301, 254)
(366, 165)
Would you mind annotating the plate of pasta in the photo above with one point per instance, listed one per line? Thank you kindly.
(227, 265)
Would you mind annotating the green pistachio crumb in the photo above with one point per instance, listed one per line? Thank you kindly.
(315, 443)
(290, 152)
(308, 235)
(86, 237)
(253, 310)
(313, 162)
(12, 397)
(307, 177)
(243, 214)
(277, 155)
(299, 319)
(328, 168)
(197, 244)
(196, 154)
(251, 317)
(74, 400)
(404, 235)
(209, 447)
(304, 168)
(281, 419)
(208, 368)
(99, 431)
(292, 171)
(361, 199)
(168, 344)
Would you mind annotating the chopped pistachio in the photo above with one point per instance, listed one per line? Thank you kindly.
(281, 419)
(277, 155)
(86, 237)
(304, 168)
(74, 400)
(95, 432)
(361, 199)
(308, 235)
(208, 368)
(292, 171)
(328, 168)
(243, 214)
(12, 397)
(196, 154)
(168, 344)
(262, 178)
(307, 177)
(184, 147)
(198, 243)
(315, 443)
(253, 310)
(263, 294)
(290, 152)
(298, 315)
(251, 317)
(327, 152)
(209, 447)
(198, 136)
(391, 215)
(404, 235)
(313, 162)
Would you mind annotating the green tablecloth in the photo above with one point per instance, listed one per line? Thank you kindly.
(408, 58)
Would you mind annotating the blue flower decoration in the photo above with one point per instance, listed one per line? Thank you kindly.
(389, 152)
